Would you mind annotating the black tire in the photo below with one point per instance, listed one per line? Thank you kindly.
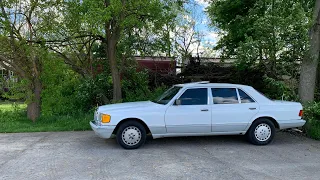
(124, 138)
(261, 137)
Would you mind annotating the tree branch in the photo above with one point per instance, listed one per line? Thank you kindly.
(11, 66)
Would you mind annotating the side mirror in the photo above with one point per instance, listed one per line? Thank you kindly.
(177, 102)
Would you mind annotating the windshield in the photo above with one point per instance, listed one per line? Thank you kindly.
(168, 95)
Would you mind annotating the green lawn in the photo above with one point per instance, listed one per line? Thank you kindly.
(10, 106)
(13, 119)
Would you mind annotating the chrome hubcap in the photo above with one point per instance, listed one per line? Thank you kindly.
(131, 135)
(262, 132)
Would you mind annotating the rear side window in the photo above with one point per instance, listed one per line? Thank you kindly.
(194, 97)
(224, 96)
(244, 97)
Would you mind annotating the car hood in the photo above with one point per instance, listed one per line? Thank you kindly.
(126, 106)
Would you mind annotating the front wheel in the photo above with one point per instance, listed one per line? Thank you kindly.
(261, 132)
(131, 135)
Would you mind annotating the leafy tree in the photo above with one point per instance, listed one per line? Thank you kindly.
(120, 26)
(310, 62)
(232, 18)
(22, 24)
(267, 34)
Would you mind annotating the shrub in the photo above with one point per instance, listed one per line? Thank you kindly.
(312, 111)
(277, 89)
(59, 88)
(93, 91)
(135, 86)
(312, 115)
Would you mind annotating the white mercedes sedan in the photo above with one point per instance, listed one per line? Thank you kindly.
(198, 109)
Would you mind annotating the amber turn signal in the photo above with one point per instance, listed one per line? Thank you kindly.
(105, 118)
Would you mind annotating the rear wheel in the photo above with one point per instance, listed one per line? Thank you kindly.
(261, 132)
(131, 135)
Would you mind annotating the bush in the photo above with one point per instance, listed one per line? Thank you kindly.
(135, 87)
(59, 88)
(277, 89)
(66, 93)
(312, 115)
(94, 91)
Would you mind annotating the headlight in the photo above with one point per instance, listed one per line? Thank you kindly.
(105, 118)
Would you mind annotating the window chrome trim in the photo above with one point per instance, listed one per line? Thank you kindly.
(238, 95)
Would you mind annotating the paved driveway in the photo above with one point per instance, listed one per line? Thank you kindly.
(82, 155)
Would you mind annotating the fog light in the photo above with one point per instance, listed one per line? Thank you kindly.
(105, 118)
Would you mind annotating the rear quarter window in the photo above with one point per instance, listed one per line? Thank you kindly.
(244, 97)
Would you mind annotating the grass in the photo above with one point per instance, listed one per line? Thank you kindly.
(10, 106)
(13, 119)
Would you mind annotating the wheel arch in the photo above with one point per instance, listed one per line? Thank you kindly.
(132, 119)
(274, 121)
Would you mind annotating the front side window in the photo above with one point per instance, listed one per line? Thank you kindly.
(168, 95)
(224, 96)
(244, 97)
(197, 96)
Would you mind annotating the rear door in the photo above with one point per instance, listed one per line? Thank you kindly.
(232, 109)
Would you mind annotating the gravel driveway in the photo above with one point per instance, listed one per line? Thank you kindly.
(82, 155)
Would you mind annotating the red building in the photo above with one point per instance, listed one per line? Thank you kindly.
(161, 65)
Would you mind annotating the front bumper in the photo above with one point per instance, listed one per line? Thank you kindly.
(291, 123)
(102, 131)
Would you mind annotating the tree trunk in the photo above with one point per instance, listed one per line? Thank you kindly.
(309, 64)
(111, 51)
(34, 107)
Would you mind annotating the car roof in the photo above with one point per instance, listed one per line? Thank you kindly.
(208, 84)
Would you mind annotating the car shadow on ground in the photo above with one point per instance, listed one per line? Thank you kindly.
(280, 138)
(196, 140)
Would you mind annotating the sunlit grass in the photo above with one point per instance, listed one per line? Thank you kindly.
(13, 118)
(11, 106)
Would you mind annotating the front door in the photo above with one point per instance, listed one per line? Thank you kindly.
(191, 115)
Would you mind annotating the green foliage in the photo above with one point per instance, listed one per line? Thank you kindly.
(312, 115)
(18, 90)
(141, 26)
(279, 37)
(135, 86)
(59, 87)
(231, 17)
(276, 89)
(268, 34)
(94, 91)
(67, 93)
(312, 112)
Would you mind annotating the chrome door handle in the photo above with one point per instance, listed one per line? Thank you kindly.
(204, 109)
(252, 108)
